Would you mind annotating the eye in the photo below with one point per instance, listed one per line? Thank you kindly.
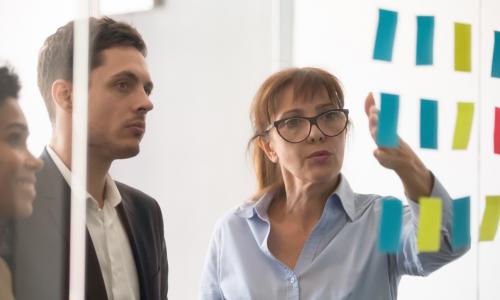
(331, 115)
(293, 122)
(123, 86)
(16, 139)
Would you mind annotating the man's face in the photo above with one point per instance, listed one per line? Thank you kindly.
(118, 103)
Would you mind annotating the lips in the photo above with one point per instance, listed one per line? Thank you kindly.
(322, 153)
(138, 127)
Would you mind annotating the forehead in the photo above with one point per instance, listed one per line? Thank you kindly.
(290, 98)
(119, 59)
(10, 113)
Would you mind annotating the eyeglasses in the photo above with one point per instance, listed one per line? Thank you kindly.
(297, 129)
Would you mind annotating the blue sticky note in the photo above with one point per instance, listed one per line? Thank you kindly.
(425, 40)
(387, 133)
(391, 222)
(428, 124)
(386, 30)
(460, 236)
(495, 66)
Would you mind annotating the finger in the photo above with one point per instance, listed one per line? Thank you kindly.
(369, 103)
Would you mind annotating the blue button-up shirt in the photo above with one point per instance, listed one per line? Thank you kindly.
(339, 260)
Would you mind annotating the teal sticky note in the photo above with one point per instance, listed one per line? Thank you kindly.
(425, 40)
(386, 31)
(460, 236)
(391, 222)
(387, 133)
(495, 65)
(428, 124)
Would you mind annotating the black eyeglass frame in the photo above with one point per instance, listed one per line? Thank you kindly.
(312, 121)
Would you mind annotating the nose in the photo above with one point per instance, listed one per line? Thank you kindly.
(315, 134)
(32, 163)
(144, 105)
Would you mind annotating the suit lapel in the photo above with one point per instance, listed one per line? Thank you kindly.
(57, 193)
(94, 282)
(129, 220)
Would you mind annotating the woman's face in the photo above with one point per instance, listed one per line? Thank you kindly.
(319, 157)
(17, 165)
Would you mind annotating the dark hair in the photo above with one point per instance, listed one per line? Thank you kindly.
(306, 82)
(55, 60)
(9, 84)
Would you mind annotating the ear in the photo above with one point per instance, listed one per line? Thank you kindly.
(264, 144)
(62, 93)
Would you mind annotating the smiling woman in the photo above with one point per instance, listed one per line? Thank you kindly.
(17, 171)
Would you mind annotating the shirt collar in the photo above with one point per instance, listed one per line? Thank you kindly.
(111, 193)
(259, 207)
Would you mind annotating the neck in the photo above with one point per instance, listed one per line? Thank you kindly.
(304, 201)
(97, 167)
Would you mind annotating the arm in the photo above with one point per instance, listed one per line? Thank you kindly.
(163, 255)
(418, 182)
(210, 287)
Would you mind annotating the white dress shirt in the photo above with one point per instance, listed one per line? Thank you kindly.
(109, 238)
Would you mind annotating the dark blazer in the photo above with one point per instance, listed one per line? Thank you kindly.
(41, 245)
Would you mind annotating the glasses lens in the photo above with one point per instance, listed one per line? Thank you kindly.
(332, 123)
(294, 129)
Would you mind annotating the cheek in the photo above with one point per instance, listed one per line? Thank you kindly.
(7, 184)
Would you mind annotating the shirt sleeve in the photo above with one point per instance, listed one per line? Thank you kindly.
(409, 261)
(210, 287)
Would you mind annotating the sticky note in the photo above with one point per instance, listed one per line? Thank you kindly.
(495, 65)
(428, 124)
(462, 47)
(391, 222)
(429, 226)
(463, 125)
(460, 232)
(496, 131)
(491, 215)
(425, 40)
(387, 133)
(386, 31)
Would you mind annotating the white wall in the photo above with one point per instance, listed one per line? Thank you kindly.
(340, 35)
(207, 59)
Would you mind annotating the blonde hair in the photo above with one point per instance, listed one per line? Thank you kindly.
(306, 82)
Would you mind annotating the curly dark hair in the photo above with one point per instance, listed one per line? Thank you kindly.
(9, 84)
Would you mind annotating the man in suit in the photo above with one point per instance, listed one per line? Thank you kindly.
(126, 253)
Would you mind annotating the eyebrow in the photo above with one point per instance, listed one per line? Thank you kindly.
(318, 109)
(16, 125)
(148, 86)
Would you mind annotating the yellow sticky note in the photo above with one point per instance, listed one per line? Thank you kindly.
(429, 225)
(462, 47)
(491, 216)
(463, 125)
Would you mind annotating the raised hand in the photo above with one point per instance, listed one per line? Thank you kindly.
(417, 179)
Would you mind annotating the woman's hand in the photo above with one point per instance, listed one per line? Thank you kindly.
(417, 179)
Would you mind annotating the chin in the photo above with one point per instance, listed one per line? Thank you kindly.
(23, 211)
(127, 152)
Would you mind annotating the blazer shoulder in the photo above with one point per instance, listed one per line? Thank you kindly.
(138, 197)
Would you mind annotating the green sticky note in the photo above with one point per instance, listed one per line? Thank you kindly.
(463, 125)
(429, 226)
(462, 47)
(491, 216)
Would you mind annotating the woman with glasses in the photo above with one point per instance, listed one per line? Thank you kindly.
(17, 172)
(306, 234)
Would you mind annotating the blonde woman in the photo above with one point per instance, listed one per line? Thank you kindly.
(306, 234)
